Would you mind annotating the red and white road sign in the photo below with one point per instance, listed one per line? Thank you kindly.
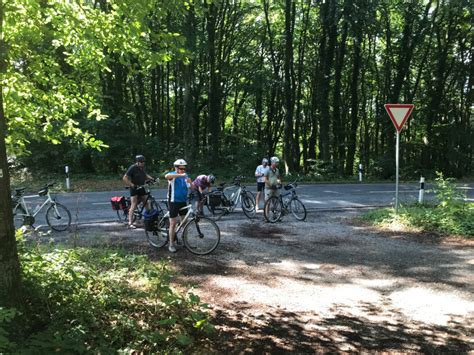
(399, 114)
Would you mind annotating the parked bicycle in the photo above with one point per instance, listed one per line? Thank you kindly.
(200, 235)
(121, 204)
(278, 206)
(58, 216)
(225, 200)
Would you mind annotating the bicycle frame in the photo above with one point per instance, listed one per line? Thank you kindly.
(188, 217)
(22, 202)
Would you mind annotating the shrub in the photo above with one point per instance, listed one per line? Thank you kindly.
(83, 300)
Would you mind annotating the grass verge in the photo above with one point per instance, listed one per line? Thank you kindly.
(101, 301)
(438, 219)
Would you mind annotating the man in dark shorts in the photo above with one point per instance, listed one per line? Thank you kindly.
(136, 177)
(178, 185)
(260, 175)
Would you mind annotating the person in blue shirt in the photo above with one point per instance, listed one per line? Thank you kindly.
(178, 185)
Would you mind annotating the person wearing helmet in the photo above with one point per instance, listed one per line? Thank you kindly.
(178, 185)
(135, 177)
(201, 183)
(272, 179)
(260, 175)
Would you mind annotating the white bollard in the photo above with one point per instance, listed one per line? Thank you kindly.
(68, 185)
(422, 190)
(360, 172)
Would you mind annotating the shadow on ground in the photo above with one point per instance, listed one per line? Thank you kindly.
(280, 331)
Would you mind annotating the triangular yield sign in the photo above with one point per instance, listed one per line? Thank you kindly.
(399, 114)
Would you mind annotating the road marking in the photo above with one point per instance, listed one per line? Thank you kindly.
(100, 203)
(381, 191)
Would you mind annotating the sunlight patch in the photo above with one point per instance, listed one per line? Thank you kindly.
(431, 306)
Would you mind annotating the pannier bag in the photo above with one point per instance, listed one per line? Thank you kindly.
(214, 199)
(150, 219)
(118, 203)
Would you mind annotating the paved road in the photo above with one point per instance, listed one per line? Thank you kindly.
(95, 206)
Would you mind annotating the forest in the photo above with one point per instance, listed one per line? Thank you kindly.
(224, 83)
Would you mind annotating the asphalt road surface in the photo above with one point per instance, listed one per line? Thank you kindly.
(87, 207)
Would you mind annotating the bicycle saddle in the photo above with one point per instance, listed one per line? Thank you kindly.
(19, 191)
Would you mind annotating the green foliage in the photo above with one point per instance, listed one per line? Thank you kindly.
(451, 215)
(82, 301)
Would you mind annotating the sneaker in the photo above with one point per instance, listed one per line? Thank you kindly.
(132, 226)
(257, 210)
(172, 248)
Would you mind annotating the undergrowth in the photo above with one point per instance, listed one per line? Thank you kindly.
(100, 301)
(449, 214)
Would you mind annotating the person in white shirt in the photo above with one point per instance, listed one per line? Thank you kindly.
(260, 175)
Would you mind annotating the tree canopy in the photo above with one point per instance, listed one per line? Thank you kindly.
(234, 81)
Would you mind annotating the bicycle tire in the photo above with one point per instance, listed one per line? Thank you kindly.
(58, 217)
(201, 236)
(248, 206)
(297, 208)
(272, 209)
(122, 215)
(159, 237)
(18, 217)
(251, 195)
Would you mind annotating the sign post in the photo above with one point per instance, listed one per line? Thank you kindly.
(399, 114)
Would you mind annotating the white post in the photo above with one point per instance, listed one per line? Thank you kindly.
(360, 172)
(396, 172)
(68, 185)
(422, 189)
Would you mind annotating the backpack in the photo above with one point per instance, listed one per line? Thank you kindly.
(150, 218)
(118, 203)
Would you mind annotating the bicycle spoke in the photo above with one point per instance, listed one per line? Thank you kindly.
(201, 236)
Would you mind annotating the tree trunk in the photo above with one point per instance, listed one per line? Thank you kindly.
(288, 148)
(214, 86)
(10, 279)
(354, 105)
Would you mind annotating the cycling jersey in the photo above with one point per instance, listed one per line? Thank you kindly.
(201, 181)
(177, 189)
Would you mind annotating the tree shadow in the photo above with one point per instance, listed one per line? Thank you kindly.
(241, 330)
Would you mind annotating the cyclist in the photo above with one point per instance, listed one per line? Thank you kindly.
(260, 175)
(136, 176)
(201, 183)
(178, 185)
(272, 179)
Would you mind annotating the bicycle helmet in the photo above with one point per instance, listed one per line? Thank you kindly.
(274, 160)
(211, 178)
(264, 161)
(140, 158)
(180, 162)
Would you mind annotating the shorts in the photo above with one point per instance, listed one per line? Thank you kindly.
(269, 192)
(260, 186)
(175, 207)
(196, 195)
(137, 191)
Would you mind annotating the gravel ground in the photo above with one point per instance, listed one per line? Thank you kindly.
(326, 284)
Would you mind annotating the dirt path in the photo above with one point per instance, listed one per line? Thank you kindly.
(326, 284)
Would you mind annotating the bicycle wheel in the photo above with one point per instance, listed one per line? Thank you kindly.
(158, 238)
(272, 209)
(19, 214)
(58, 217)
(298, 209)
(248, 206)
(201, 236)
(251, 195)
(122, 215)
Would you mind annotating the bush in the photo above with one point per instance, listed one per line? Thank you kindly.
(450, 214)
(83, 300)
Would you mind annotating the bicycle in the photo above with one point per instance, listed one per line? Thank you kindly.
(225, 200)
(138, 214)
(277, 206)
(58, 216)
(200, 235)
